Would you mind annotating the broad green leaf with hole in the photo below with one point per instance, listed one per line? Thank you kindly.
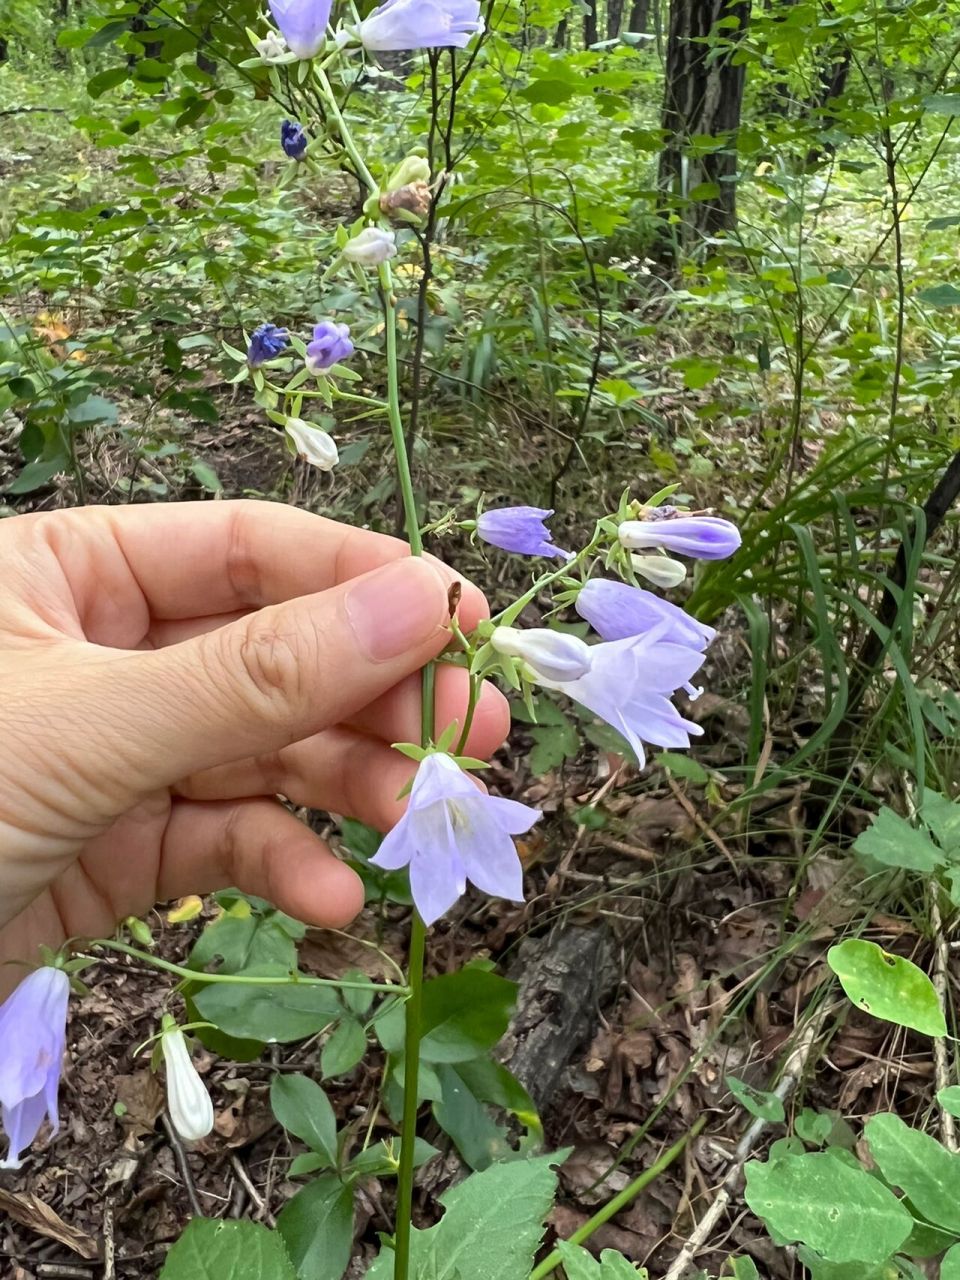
(891, 840)
(887, 986)
(924, 1170)
(836, 1208)
(214, 1249)
(759, 1102)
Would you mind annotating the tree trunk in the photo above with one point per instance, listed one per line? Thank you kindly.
(560, 35)
(703, 95)
(639, 16)
(590, 25)
(4, 49)
(614, 18)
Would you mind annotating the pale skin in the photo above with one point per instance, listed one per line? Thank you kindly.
(168, 672)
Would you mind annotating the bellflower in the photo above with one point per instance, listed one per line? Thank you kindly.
(519, 529)
(630, 683)
(266, 343)
(550, 655)
(331, 344)
(313, 444)
(421, 24)
(703, 537)
(302, 23)
(616, 610)
(370, 247)
(188, 1102)
(453, 832)
(293, 139)
(33, 1036)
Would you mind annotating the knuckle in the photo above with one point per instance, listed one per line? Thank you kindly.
(274, 664)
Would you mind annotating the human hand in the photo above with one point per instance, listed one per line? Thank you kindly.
(167, 671)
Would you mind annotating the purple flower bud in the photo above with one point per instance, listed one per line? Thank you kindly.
(266, 343)
(616, 610)
(302, 23)
(453, 832)
(331, 344)
(421, 24)
(703, 537)
(33, 1035)
(519, 529)
(293, 139)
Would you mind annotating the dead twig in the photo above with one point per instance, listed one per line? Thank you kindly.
(180, 1155)
(256, 1198)
(941, 1062)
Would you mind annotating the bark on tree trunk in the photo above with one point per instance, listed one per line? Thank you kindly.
(560, 35)
(614, 18)
(639, 16)
(703, 95)
(590, 25)
(4, 49)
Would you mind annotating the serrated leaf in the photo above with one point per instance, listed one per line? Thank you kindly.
(213, 1250)
(891, 840)
(925, 1171)
(887, 986)
(837, 1209)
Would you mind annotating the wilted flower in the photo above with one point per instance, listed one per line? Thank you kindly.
(303, 23)
(407, 204)
(272, 48)
(313, 444)
(630, 683)
(703, 537)
(550, 655)
(266, 343)
(293, 139)
(421, 24)
(453, 832)
(33, 1036)
(370, 247)
(616, 610)
(519, 529)
(662, 571)
(331, 344)
(188, 1102)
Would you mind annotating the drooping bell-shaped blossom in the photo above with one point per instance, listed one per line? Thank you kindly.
(453, 832)
(313, 444)
(421, 24)
(331, 344)
(703, 537)
(519, 529)
(293, 139)
(370, 247)
(663, 571)
(266, 343)
(630, 684)
(549, 655)
(616, 610)
(188, 1102)
(33, 1036)
(302, 23)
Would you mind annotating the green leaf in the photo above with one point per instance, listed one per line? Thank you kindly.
(578, 1264)
(317, 1228)
(950, 1264)
(273, 1014)
(813, 1127)
(344, 1049)
(491, 1226)
(891, 840)
(927, 1174)
(304, 1110)
(247, 936)
(759, 1102)
(464, 1015)
(942, 817)
(889, 987)
(205, 475)
(940, 295)
(93, 409)
(949, 1099)
(383, 1158)
(835, 1208)
(219, 1250)
(36, 474)
(461, 1114)
(821, 1269)
(683, 767)
(943, 104)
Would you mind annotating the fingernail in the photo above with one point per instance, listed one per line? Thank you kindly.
(396, 609)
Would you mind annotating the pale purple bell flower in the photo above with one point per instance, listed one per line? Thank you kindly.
(302, 23)
(616, 611)
(453, 832)
(702, 537)
(33, 1036)
(520, 529)
(331, 344)
(421, 24)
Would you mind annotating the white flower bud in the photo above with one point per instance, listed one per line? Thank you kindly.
(272, 47)
(371, 247)
(313, 444)
(191, 1111)
(662, 571)
(550, 655)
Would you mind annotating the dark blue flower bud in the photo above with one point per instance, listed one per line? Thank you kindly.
(293, 139)
(266, 343)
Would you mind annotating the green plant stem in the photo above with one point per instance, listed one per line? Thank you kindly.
(620, 1201)
(239, 979)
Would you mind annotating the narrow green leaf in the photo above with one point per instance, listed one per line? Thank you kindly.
(317, 1228)
(304, 1110)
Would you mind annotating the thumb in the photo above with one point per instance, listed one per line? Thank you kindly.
(275, 676)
